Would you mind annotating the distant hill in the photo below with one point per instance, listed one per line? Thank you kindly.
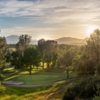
(35, 42)
(13, 39)
(71, 41)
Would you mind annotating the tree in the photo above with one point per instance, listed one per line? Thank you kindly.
(93, 49)
(16, 60)
(66, 59)
(24, 41)
(30, 59)
(41, 49)
(3, 50)
(16, 56)
(83, 65)
(48, 50)
(93, 45)
(89, 61)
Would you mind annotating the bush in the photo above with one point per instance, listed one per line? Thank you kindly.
(1, 77)
(83, 89)
(71, 92)
(2, 89)
(97, 69)
(98, 89)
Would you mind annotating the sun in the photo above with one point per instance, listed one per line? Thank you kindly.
(91, 29)
(44, 36)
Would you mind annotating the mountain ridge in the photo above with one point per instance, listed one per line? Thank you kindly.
(71, 41)
(13, 39)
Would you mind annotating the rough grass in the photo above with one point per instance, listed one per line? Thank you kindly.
(96, 98)
(51, 92)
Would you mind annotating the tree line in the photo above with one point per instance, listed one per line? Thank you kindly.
(84, 60)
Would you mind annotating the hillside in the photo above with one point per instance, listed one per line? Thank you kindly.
(12, 39)
(54, 91)
(71, 41)
(48, 92)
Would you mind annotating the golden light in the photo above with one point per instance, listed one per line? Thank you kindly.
(43, 36)
(91, 29)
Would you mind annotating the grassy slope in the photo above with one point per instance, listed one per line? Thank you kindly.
(37, 77)
(51, 92)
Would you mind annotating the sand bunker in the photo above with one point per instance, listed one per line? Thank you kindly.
(12, 83)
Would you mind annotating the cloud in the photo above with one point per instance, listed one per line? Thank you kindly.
(49, 15)
(48, 8)
(25, 8)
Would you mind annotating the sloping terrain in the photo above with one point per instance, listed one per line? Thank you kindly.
(71, 41)
(12, 39)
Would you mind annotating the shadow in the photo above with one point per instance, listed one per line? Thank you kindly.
(20, 91)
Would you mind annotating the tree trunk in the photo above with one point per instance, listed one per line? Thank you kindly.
(67, 72)
(0, 84)
(48, 65)
(53, 64)
(30, 70)
(43, 65)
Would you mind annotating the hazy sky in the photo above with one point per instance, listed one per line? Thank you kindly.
(50, 19)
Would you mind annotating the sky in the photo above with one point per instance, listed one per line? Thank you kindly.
(49, 19)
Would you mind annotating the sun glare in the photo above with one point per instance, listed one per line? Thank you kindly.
(43, 36)
(91, 29)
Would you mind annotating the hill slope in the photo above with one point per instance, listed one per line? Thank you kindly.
(70, 41)
(13, 39)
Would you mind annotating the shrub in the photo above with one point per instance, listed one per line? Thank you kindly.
(97, 72)
(2, 89)
(98, 89)
(83, 89)
(71, 92)
(1, 77)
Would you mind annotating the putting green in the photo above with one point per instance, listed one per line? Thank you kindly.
(39, 79)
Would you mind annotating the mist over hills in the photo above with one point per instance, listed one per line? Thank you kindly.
(71, 41)
(13, 39)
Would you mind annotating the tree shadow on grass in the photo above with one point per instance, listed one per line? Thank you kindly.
(20, 91)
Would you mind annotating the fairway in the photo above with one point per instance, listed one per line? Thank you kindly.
(39, 79)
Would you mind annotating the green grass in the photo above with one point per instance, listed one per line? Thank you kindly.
(38, 76)
(50, 92)
(96, 98)
(39, 79)
(35, 93)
